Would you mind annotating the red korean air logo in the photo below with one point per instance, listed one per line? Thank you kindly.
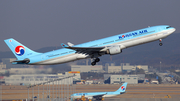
(123, 88)
(19, 50)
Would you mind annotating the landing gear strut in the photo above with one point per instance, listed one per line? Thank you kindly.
(94, 61)
(160, 44)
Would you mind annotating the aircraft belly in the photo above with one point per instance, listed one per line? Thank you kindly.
(110, 95)
(62, 59)
(75, 97)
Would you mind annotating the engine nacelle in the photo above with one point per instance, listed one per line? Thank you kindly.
(114, 50)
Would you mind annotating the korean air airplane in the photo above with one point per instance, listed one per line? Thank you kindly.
(93, 49)
(98, 96)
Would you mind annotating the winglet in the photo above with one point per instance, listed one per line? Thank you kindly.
(64, 45)
(70, 44)
(122, 89)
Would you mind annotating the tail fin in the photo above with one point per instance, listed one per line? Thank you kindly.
(20, 51)
(122, 89)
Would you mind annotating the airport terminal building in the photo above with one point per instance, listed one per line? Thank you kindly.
(112, 68)
(118, 79)
(124, 67)
(87, 68)
(31, 79)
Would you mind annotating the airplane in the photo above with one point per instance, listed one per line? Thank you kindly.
(100, 95)
(93, 49)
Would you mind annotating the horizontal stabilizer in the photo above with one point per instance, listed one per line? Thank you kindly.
(22, 61)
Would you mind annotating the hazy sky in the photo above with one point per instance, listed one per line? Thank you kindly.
(41, 23)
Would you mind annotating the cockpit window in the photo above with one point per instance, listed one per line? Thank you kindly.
(168, 27)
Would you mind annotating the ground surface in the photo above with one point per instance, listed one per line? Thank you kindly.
(133, 91)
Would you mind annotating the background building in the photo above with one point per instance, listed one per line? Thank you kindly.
(87, 68)
(127, 67)
(112, 68)
(76, 73)
(30, 79)
(108, 78)
(2, 66)
(29, 70)
(144, 67)
(118, 79)
(141, 78)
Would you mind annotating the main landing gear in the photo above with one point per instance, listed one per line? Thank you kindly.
(160, 44)
(94, 61)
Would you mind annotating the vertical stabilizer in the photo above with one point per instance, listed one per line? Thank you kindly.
(122, 89)
(19, 50)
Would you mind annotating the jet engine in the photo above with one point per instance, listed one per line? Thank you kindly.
(113, 50)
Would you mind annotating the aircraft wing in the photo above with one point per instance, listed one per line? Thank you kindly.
(86, 50)
(83, 50)
(98, 96)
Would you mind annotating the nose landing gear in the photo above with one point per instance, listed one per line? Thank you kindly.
(160, 44)
(94, 61)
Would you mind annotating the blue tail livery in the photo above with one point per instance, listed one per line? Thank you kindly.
(21, 52)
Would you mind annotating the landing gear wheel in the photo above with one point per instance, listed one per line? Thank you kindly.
(160, 44)
(93, 63)
(97, 60)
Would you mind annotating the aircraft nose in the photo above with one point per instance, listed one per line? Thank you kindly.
(172, 30)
